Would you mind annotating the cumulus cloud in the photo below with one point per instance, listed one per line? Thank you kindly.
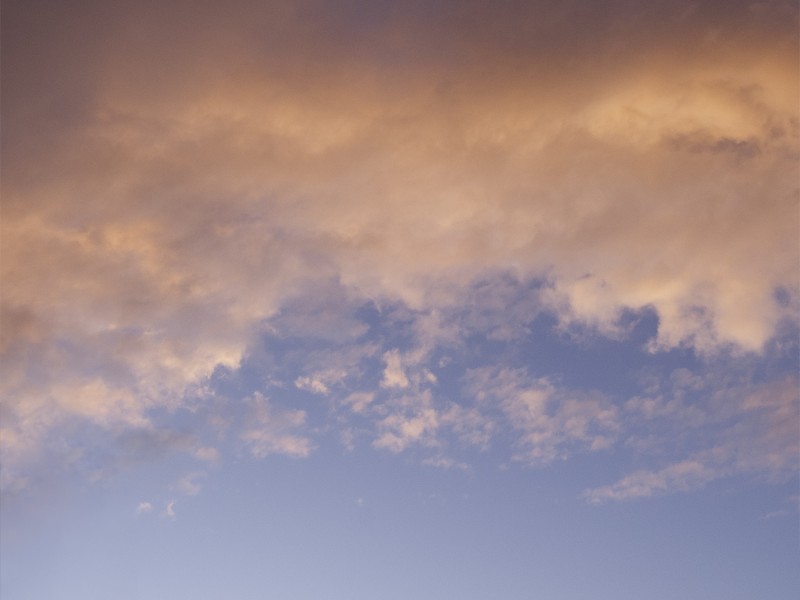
(175, 178)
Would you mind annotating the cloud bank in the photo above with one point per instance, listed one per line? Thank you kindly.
(176, 176)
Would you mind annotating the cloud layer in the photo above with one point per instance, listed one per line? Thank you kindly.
(175, 177)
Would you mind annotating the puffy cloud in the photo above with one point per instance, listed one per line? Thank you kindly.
(175, 178)
(394, 375)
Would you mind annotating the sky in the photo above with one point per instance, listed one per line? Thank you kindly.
(361, 299)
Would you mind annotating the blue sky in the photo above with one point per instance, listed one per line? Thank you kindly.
(400, 300)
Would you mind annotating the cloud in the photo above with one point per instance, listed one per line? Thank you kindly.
(143, 507)
(175, 179)
(190, 484)
(748, 429)
(207, 454)
(680, 476)
(551, 422)
(275, 431)
(359, 401)
(470, 425)
(776, 514)
(413, 420)
(394, 375)
(169, 510)
(783, 512)
(446, 463)
(312, 385)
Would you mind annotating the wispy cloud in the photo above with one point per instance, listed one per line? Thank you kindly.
(680, 476)
(551, 422)
(754, 433)
(444, 462)
(190, 484)
(169, 510)
(143, 508)
(275, 431)
(312, 385)
(776, 514)
(207, 454)
(359, 401)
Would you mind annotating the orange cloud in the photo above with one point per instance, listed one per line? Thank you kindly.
(172, 174)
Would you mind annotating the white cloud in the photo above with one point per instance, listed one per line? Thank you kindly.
(169, 510)
(312, 385)
(394, 375)
(143, 508)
